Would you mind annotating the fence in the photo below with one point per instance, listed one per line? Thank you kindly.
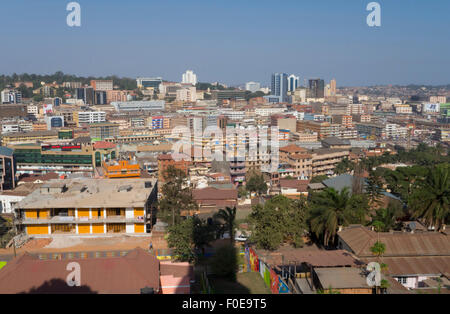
(271, 279)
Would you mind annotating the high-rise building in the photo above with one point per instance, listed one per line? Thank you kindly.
(86, 94)
(333, 87)
(279, 88)
(293, 82)
(253, 86)
(100, 97)
(7, 170)
(316, 88)
(188, 94)
(189, 77)
(10, 96)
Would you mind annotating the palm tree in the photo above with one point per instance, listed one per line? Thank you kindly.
(228, 215)
(329, 211)
(431, 198)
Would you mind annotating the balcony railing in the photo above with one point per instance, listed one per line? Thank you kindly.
(72, 220)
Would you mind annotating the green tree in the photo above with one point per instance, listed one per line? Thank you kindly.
(344, 166)
(318, 179)
(431, 197)
(374, 188)
(388, 217)
(181, 240)
(329, 209)
(228, 218)
(188, 237)
(280, 220)
(177, 196)
(378, 249)
(256, 183)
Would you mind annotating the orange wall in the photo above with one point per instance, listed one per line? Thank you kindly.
(138, 212)
(139, 228)
(97, 228)
(37, 229)
(83, 212)
(84, 228)
(31, 214)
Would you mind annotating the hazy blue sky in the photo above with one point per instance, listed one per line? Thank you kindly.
(231, 41)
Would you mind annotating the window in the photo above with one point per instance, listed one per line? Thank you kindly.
(402, 280)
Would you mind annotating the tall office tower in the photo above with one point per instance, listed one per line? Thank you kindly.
(333, 87)
(86, 94)
(189, 78)
(100, 97)
(279, 86)
(316, 88)
(253, 86)
(8, 167)
(293, 82)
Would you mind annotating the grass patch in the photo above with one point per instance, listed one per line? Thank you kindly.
(247, 283)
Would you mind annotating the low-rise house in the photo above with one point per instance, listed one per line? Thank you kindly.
(411, 257)
(211, 199)
(292, 188)
(137, 272)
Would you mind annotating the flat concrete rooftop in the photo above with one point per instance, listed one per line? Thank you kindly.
(89, 193)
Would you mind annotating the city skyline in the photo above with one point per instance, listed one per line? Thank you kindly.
(326, 39)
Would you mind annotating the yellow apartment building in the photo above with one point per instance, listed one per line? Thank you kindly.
(88, 206)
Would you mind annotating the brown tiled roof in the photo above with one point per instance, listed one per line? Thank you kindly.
(128, 274)
(360, 239)
(300, 185)
(215, 194)
(337, 258)
(292, 149)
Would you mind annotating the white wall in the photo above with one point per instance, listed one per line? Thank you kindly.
(130, 228)
(7, 203)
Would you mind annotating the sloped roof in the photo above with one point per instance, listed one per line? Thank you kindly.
(211, 193)
(342, 278)
(128, 274)
(398, 244)
(424, 265)
(292, 149)
(300, 185)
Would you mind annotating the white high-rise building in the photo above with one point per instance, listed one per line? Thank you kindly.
(253, 87)
(293, 82)
(189, 78)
